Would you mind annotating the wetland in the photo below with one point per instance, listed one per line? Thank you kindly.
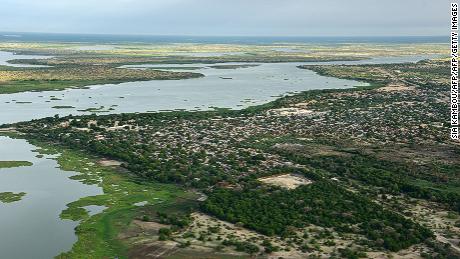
(121, 161)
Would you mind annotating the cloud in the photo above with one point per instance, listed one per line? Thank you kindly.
(228, 17)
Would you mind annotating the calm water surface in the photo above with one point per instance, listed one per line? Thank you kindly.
(227, 88)
(6, 56)
(31, 228)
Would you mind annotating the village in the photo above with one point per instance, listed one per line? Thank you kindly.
(395, 127)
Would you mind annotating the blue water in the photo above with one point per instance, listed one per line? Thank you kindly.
(107, 38)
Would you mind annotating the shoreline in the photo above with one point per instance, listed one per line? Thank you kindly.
(253, 112)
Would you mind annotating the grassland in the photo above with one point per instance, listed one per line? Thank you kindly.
(74, 66)
(98, 234)
(58, 78)
(12, 164)
(71, 53)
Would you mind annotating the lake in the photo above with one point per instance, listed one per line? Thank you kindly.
(31, 227)
(225, 88)
(6, 56)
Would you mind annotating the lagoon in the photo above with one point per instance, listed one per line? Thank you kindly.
(7, 56)
(225, 88)
(34, 222)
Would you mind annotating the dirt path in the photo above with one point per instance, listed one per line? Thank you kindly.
(8, 130)
(447, 241)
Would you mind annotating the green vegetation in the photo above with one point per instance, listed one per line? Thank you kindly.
(393, 177)
(275, 211)
(15, 80)
(72, 54)
(97, 235)
(242, 246)
(375, 154)
(12, 164)
(94, 109)
(72, 67)
(10, 197)
(63, 107)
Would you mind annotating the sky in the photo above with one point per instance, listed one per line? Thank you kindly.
(229, 17)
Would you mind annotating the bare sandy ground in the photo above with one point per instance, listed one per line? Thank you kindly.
(201, 223)
(108, 162)
(6, 130)
(291, 111)
(396, 87)
(288, 181)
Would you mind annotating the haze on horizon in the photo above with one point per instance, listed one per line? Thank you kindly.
(229, 17)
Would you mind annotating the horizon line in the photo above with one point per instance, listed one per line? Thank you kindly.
(192, 35)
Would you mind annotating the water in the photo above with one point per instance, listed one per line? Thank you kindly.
(247, 86)
(225, 88)
(291, 50)
(6, 56)
(31, 228)
(106, 38)
(205, 54)
(94, 209)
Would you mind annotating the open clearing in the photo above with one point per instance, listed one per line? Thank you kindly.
(288, 181)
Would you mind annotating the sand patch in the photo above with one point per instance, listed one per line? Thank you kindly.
(150, 226)
(305, 104)
(108, 162)
(291, 111)
(395, 88)
(288, 181)
(7, 130)
(288, 146)
(202, 223)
